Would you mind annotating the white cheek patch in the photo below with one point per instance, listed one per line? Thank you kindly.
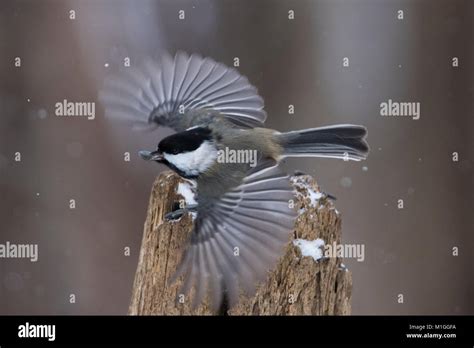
(194, 162)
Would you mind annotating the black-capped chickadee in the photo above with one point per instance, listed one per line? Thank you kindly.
(244, 217)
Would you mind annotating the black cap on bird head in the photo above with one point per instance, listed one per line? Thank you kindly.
(177, 143)
(188, 153)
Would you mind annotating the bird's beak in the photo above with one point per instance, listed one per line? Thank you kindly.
(151, 156)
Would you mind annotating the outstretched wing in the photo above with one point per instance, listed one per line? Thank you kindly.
(238, 238)
(162, 92)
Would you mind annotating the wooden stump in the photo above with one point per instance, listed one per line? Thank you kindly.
(296, 286)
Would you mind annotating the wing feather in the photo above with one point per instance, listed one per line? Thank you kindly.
(256, 218)
(157, 92)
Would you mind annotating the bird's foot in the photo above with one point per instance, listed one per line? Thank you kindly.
(329, 196)
(299, 173)
(322, 259)
(179, 212)
(174, 215)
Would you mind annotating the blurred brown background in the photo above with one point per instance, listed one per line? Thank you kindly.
(296, 62)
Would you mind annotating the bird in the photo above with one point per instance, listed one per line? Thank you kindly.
(244, 215)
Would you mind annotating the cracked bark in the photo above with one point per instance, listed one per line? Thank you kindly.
(296, 286)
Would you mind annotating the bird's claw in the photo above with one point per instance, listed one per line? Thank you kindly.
(178, 213)
(175, 215)
(330, 196)
(299, 173)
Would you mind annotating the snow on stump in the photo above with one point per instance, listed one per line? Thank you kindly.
(303, 282)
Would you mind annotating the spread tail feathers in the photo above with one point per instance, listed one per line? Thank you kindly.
(339, 141)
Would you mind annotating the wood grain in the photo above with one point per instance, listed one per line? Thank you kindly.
(296, 286)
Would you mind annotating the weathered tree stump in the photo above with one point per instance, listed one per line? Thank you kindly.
(298, 285)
